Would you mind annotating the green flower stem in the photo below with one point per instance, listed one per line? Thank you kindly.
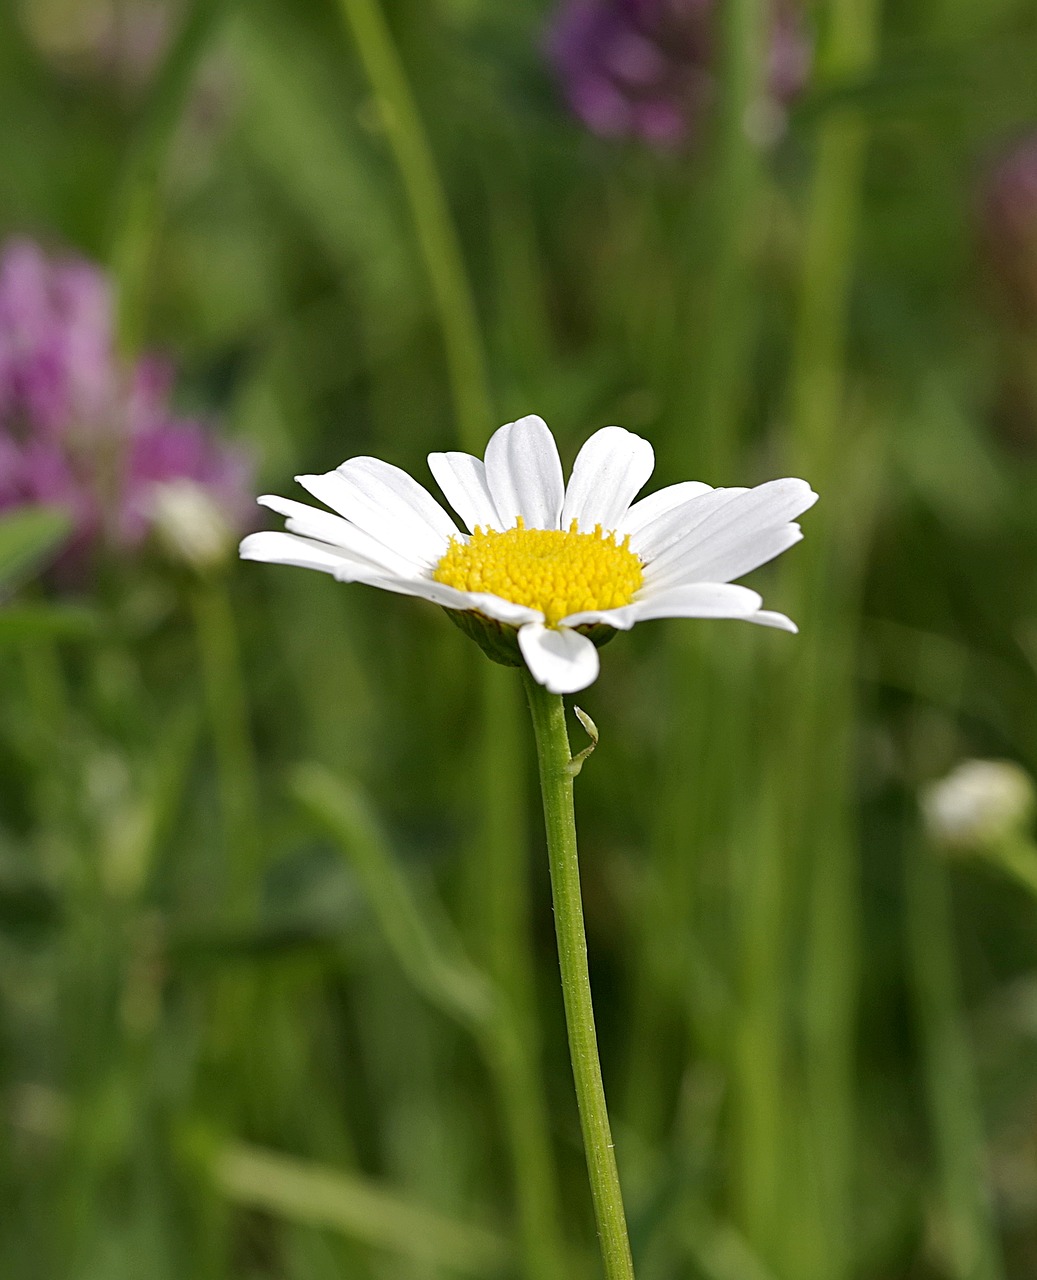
(556, 783)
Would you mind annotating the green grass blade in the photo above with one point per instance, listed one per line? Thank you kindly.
(314, 1195)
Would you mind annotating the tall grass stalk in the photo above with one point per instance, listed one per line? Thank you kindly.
(501, 848)
(138, 207)
(227, 704)
(818, 851)
(969, 1238)
(358, 1208)
(710, 358)
(238, 997)
(48, 701)
(437, 968)
(136, 221)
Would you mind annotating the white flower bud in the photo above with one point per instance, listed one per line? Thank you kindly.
(979, 804)
(190, 525)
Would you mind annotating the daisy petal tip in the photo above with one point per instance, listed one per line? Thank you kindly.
(308, 478)
(768, 618)
(637, 442)
(523, 473)
(610, 470)
(268, 545)
(531, 422)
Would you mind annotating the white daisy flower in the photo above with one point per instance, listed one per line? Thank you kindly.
(545, 569)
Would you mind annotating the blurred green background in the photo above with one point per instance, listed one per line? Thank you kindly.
(278, 991)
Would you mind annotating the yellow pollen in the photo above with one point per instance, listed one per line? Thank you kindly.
(558, 572)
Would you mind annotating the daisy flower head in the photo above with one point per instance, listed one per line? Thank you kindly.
(543, 572)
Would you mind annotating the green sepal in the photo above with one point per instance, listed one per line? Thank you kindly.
(496, 639)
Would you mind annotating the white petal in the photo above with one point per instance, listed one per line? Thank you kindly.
(731, 560)
(676, 526)
(660, 503)
(524, 474)
(562, 661)
(286, 548)
(311, 522)
(388, 504)
(515, 615)
(737, 537)
(767, 618)
(610, 469)
(701, 600)
(463, 481)
(466, 601)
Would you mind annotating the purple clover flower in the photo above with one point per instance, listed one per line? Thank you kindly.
(1009, 225)
(644, 68)
(84, 430)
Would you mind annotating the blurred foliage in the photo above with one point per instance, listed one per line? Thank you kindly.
(819, 1039)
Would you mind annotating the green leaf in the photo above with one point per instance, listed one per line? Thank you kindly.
(29, 537)
(59, 622)
(315, 1195)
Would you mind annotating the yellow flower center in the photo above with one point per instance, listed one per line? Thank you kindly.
(552, 570)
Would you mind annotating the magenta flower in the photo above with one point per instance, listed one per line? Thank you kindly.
(644, 68)
(1009, 225)
(83, 429)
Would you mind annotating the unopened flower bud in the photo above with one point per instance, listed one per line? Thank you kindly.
(190, 526)
(979, 805)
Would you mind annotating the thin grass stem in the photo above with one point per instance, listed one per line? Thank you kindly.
(138, 204)
(502, 843)
(818, 852)
(711, 351)
(305, 1192)
(227, 706)
(971, 1237)
(433, 223)
(437, 968)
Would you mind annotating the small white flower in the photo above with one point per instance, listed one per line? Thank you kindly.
(978, 803)
(555, 564)
(190, 524)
